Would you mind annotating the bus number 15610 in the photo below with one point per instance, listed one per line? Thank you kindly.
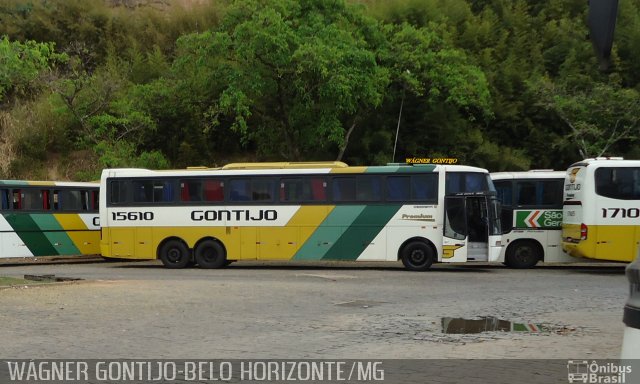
(132, 216)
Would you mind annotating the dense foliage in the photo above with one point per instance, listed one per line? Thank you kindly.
(502, 84)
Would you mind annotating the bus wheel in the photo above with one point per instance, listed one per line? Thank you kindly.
(417, 256)
(210, 254)
(522, 255)
(174, 254)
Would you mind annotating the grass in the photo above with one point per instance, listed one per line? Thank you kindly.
(6, 281)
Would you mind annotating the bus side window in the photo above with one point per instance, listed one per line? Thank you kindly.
(505, 192)
(32, 199)
(262, 190)
(318, 189)
(552, 192)
(45, 200)
(292, 190)
(142, 191)
(239, 190)
(398, 188)
(84, 198)
(67, 200)
(17, 199)
(162, 191)
(4, 195)
(368, 188)
(344, 188)
(95, 200)
(214, 190)
(526, 193)
(118, 191)
(424, 188)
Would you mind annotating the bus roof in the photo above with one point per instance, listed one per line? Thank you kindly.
(29, 183)
(288, 168)
(532, 174)
(608, 161)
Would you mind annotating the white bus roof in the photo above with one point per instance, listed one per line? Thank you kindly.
(608, 161)
(533, 174)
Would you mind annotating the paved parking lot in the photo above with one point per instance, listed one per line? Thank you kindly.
(279, 310)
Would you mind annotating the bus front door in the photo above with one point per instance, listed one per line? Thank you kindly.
(455, 240)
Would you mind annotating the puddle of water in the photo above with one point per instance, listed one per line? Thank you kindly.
(49, 278)
(360, 303)
(459, 325)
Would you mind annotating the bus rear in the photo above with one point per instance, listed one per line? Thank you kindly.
(574, 230)
(602, 209)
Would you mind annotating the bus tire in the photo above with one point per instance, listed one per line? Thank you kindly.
(523, 255)
(210, 254)
(174, 254)
(417, 256)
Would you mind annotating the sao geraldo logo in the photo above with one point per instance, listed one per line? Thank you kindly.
(592, 372)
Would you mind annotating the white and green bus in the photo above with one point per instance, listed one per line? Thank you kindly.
(602, 209)
(419, 214)
(48, 218)
(531, 217)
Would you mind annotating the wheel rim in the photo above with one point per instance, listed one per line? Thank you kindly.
(174, 255)
(524, 254)
(417, 256)
(209, 254)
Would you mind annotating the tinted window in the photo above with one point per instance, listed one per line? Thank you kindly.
(539, 193)
(344, 189)
(424, 187)
(505, 192)
(70, 200)
(118, 190)
(526, 192)
(30, 199)
(251, 190)
(459, 182)
(152, 191)
(413, 188)
(303, 189)
(368, 188)
(4, 195)
(398, 188)
(618, 183)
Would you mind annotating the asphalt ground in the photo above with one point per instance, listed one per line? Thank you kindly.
(283, 310)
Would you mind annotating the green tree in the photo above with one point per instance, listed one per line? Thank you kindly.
(601, 117)
(293, 76)
(21, 64)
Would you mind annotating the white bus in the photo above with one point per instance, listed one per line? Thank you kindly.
(531, 217)
(602, 209)
(419, 214)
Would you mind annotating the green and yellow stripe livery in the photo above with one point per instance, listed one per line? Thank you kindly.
(46, 218)
(279, 211)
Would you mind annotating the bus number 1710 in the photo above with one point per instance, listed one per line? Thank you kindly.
(621, 212)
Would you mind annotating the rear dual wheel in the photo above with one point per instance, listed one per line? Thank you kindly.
(211, 254)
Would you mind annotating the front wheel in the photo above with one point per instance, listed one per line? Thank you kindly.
(417, 256)
(175, 254)
(523, 255)
(210, 254)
